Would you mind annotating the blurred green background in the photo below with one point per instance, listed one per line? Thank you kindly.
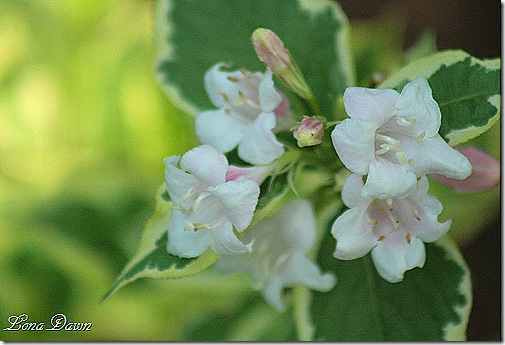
(84, 129)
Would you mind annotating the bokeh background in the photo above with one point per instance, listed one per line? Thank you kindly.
(84, 128)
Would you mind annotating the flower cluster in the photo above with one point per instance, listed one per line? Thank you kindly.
(389, 143)
(393, 139)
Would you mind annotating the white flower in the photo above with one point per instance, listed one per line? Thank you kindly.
(278, 258)
(206, 207)
(249, 106)
(394, 229)
(394, 139)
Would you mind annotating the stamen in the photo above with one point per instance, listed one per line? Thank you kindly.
(188, 226)
(421, 137)
(404, 122)
(411, 162)
(389, 202)
(248, 101)
(374, 222)
(199, 200)
(414, 212)
(388, 140)
(408, 237)
(227, 111)
(381, 238)
(225, 97)
(245, 73)
(233, 79)
(402, 157)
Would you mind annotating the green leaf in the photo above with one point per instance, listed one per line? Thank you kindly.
(196, 34)
(252, 320)
(466, 89)
(152, 259)
(432, 303)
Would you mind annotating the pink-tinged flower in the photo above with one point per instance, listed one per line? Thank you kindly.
(250, 111)
(485, 173)
(310, 132)
(257, 173)
(394, 139)
(278, 259)
(393, 230)
(206, 207)
(271, 51)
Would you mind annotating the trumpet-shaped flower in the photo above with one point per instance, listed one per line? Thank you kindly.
(394, 229)
(278, 258)
(250, 110)
(394, 139)
(206, 207)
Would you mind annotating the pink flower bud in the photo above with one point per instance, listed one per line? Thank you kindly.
(310, 132)
(271, 51)
(485, 173)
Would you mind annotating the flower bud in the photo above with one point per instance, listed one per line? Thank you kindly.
(485, 173)
(271, 51)
(310, 132)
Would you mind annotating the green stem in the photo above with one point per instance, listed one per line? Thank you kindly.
(301, 304)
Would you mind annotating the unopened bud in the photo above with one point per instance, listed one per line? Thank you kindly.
(310, 132)
(271, 51)
(485, 173)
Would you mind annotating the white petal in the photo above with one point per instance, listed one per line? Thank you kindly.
(206, 164)
(269, 98)
(217, 83)
(416, 102)
(394, 255)
(299, 270)
(354, 141)
(374, 105)
(296, 226)
(259, 145)
(388, 180)
(434, 156)
(224, 241)
(351, 192)
(178, 182)
(272, 292)
(239, 199)
(218, 129)
(186, 244)
(428, 229)
(353, 232)
(256, 173)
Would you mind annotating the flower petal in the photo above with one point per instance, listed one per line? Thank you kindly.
(388, 180)
(485, 173)
(416, 102)
(394, 255)
(178, 182)
(206, 164)
(218, 83)
(434, 156)
(351, 192)
(239, 199)
(428, 229)
(373, 105)
(256, 173)
(225, 242)
(354, 141)
(259, 145)
(353, 232)
(269, 98)
(185, 244)
(218, 129)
